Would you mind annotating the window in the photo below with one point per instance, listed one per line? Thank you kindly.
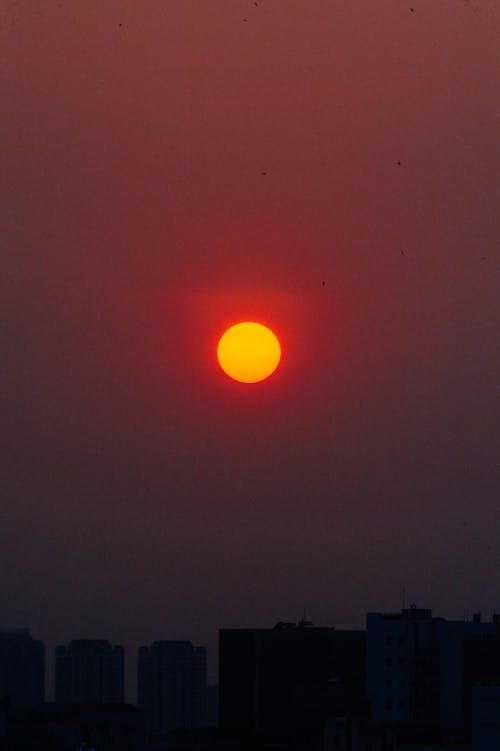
(388, 662)
(388, 639)
(388, 683)
(402, 683)
(388, 704)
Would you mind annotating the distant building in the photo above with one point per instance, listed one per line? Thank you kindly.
(22, 669)
(415, 668)
(89, 670)
(172, 685)
(212, 711)
(286, 685)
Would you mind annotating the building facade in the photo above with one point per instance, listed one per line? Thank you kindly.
(89, 670)
(486, 717)
(415, 668)
(172, 685)
(287, 684)
(22, 669)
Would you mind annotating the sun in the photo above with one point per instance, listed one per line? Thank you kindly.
(249, 352)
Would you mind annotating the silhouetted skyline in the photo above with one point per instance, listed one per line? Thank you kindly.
(409, 678)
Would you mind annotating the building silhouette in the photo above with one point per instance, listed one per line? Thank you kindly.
(410, 681)
(486, 717)
(172, 684)
(22, 669)
(285, 686)
(212, 706)
(416, 668)
(89, 670)
(482, 685)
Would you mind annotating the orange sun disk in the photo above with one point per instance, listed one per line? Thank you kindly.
(248, 352)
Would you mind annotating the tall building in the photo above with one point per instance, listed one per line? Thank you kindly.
(287, 684)
(415, 668)
(172, 684)
(89, 670)
(22, 669)
(481, 668)
(486, 717)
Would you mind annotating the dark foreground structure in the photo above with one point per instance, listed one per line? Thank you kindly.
(282, 688)
(411, 681)
(73, 727)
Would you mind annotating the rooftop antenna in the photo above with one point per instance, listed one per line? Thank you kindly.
(303, 621)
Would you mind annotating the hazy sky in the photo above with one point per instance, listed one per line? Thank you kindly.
(144, 494)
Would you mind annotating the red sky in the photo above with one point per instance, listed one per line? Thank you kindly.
(145, 496)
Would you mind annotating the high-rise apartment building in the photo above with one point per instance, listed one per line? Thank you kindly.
(89, 670)
(172, 678)
(485, 717)
(415, 668)
(22, 669)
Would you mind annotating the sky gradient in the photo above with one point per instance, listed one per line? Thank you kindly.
(143, 494)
